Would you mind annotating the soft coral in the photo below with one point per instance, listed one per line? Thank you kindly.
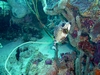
(85, 44)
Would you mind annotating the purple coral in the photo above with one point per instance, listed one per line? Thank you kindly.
(48, 62)
(68, 72)
(97, 53)
(98, 46)
(88, 23)
(74, 34)
(96, 29)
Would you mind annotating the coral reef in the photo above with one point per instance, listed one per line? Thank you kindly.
(97, 70)
(95, 31)
(75, 32)
(84, 17)
(97, 53)
(24, 60)
(31, 61)
(85, 45)
(82, 21)
(88, 23)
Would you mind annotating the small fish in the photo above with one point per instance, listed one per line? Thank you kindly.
(61, 31)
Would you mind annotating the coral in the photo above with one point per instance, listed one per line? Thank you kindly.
(19, 8)
(87, 14)
(54, 7)
(37, 61)
(52, 22)
(88, 23)
(42, 69)
(95, 30)
(86, 47)
(75, 32)
(67, 62)
(54, 72)
(78, 64)
(12, 66)
(82, 5)
(4, 8)
(74, 41)
(63, 7)
(80, 15)
(68, 73)
(48, 62)
(78, 21)
(97, 72)
(83, 64)
(68, 14)
(51, 4)
(98, 46)
(19, 11)
(97, 53)
(31, 61)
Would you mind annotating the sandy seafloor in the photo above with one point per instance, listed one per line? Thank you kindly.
(8, 46)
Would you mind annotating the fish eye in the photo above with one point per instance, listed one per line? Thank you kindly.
(63, 24)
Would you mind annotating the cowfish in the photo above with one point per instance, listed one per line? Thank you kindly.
(61, 32)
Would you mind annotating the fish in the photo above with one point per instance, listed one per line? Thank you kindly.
(61, 31)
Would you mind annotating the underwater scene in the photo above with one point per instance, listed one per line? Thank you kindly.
(49, 37)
